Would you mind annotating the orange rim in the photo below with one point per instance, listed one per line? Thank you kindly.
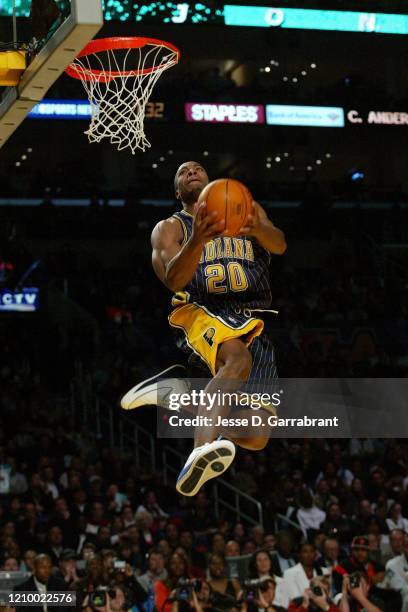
(116, 43)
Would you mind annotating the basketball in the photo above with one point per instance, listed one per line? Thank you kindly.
(231, 200)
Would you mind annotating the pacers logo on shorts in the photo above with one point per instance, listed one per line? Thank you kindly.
(209, 335)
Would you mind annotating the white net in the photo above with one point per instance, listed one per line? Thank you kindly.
(119, 83)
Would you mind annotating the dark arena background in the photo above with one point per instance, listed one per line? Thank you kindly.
(305, 103)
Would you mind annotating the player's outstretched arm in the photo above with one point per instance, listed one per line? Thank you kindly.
(260, 227)
(174, 264)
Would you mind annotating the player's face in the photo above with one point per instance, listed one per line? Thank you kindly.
(191, 178)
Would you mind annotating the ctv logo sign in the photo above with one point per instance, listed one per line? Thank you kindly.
(225, 113)
(25, 300)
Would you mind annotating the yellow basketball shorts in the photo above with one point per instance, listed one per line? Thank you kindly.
(205, 332)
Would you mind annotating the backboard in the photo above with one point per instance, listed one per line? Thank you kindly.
(80, 21)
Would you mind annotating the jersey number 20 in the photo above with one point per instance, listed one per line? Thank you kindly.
(216, 275)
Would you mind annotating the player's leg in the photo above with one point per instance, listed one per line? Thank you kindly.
(263, 379)
(231, 362)
(211, 457)
(233, 366)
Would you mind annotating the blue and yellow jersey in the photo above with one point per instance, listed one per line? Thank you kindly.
(233, 273)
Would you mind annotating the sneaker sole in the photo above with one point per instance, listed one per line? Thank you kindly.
(212, 464)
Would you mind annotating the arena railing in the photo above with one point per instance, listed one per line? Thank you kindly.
(93, 414)
(226, 496)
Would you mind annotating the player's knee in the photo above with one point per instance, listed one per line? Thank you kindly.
(258, 443)
(255, 444)
(238, 365)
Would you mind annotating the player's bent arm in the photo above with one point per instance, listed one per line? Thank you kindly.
(268, 235)
(174, 264)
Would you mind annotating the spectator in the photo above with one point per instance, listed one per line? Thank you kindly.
(47, 475)
(144, 522)
(324, 497)
(18, 480)
(266, 598)
(36, 493)
(297, 579)
(397, 539)
(27, 564)
(249, 547)
(270, 542)
(218, 543)
(358, 562)
(94, 577)
(197, 557)
(315, 597)
(67, 569)
(172, 534)
(244, 476)
(232, 549)
(198, 600)
(363, 517)
(336, 525)
(79, 506)
(372, 572)
(260, 567)
(374, 546)
(283, 559)
(397, 572)
(330, 553)
(238, 533)
(355, 595)
(151, 505)
(177, 569)
(155, 571)
(309, 516)
(63, 519)
(11, 564)
(118, 602)
(42, 581)
(54, 544)
(258, 534)
(218, 579)
(395, 519)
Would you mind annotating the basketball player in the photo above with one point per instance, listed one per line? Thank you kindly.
(220, 285)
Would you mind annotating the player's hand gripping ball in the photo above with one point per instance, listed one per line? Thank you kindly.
(232, 202)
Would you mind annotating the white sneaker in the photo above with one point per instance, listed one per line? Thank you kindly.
(155, 391)
(205, 462)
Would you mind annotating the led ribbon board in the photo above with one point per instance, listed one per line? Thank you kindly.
(377, 117)
(313, 116)
(311, 19)
(61, 109)
(81, 109)
(203, 12)
(128, 10)
(224, 113)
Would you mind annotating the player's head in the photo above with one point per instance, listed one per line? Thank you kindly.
(189, 181)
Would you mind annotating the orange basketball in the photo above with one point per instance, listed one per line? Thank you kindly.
(231, 200)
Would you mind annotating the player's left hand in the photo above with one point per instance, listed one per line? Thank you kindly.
(252, 223)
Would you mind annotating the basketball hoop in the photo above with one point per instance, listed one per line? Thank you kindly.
(118, 75)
